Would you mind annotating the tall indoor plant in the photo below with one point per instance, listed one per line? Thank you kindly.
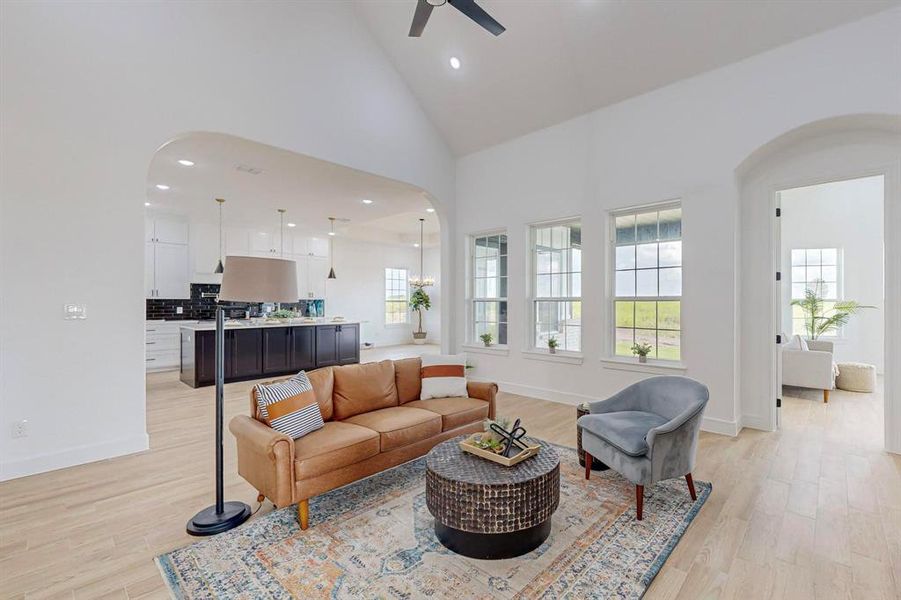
(817, 319)
(419, 302)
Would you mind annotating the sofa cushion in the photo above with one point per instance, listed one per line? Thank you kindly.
(363, 388)
(323, 382)
(336, 445)
(408, 379)
(454, 411)
(625, 430)
(399, 425)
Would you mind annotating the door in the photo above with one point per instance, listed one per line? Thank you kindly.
(276, 349)
(303, 348)
(171, 271)
(149, 276)
(170, 231)
(318, 275)
(326, 345)
(348, 344)
(247, 352)
(205, 356)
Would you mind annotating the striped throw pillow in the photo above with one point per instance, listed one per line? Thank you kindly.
(443, 376)
(290, 406)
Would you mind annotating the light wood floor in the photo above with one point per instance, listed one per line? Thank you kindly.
(813, 511)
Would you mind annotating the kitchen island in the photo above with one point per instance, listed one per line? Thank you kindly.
(266, 349)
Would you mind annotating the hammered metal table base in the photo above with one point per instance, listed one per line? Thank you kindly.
(492, 546)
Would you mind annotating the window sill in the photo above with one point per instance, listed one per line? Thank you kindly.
(570, 358)
(663, 367)
(497, 349)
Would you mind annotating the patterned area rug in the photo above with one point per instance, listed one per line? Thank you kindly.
(375, 539)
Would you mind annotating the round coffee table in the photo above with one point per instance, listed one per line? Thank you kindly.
(488, 511)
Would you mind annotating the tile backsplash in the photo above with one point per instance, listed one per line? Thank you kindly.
(202, 306)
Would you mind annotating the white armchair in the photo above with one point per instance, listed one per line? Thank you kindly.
(813, 368)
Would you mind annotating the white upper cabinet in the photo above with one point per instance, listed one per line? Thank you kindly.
(149, 275)
(318, 246)
(263, 242)
(169, 231)
(166, 264)
(237, 242)
(318, 274)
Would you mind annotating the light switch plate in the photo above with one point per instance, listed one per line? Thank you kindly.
(179, 310)
(73, 312)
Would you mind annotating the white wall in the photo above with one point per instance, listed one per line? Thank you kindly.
(846, 215)
(359, 290)
(89, 92)
(681, 141)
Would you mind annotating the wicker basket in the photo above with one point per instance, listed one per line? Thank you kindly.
(524, 451)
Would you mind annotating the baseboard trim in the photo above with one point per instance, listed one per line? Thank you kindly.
(709, 424)
(755, 422)
(70, 457)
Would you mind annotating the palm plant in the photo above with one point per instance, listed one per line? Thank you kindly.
(818, 320)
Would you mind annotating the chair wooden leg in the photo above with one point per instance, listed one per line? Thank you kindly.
(639, 501)
(691, 487)
(303, 513)
(260, 498)
(825, 396)
(588, 461)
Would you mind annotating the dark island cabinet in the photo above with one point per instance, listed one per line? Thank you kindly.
(255, 353)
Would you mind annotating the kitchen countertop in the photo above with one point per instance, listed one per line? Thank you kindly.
(211, 325)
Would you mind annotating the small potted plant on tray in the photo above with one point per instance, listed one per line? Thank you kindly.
(552, 345)
(486, 339)
(642, 350)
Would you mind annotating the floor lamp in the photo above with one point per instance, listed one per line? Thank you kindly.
(245, 279)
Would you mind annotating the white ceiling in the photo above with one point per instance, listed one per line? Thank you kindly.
(311, 190)
(559, 59)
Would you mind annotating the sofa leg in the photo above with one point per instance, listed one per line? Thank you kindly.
(303, 513)
(825, 396)
(260, 498)
(588, 461)
(639, 501)
(691, 487)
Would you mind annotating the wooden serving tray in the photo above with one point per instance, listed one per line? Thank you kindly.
(525, 452)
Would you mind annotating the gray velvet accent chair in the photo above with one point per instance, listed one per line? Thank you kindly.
(648, 432)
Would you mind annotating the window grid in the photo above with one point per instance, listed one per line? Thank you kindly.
(556, 251)
(817, 269)
(648, 281)
(396, 297)
(488, 310)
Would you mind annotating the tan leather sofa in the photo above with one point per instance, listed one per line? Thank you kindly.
(374, 420)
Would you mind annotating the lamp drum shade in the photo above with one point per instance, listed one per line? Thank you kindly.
(253, 279)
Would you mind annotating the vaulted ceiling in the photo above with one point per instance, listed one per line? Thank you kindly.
(560, 59)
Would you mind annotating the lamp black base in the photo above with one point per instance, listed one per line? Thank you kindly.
(208, 522)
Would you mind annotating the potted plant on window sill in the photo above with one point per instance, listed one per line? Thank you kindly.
(486, 339)
(552, 345)
(420, 302)
(642, 351)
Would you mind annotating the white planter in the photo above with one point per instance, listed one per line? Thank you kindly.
(419, 338)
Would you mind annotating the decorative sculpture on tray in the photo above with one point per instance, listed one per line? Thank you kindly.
(502, 443)
(508, 437)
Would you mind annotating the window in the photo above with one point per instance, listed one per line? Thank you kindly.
(557, 284)
(489, 287)
(396, 297)
(647, 248)
(816, 269)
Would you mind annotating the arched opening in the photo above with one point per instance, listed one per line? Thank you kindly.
(361, 244)
(823, 152)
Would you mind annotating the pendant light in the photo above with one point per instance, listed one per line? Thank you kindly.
(281, 219)
(331, 249)
(220, 267)
(421, 281)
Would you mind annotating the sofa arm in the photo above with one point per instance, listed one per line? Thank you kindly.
(265, 459)
(808, 368)
(484, 391)
(821, 345)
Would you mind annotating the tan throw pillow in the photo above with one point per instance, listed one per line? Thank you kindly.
(443, 376)
(290, 406)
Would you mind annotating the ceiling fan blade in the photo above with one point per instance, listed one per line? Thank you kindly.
(477, 14)
(420, 18)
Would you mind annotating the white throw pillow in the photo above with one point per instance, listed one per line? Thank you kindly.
(443, 376)
(798, 343)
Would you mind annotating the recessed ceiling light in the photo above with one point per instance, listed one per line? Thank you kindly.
(416, 245)
(292, 224)
(162, 186)
(367, 201)
(430, 210)
(146, 204)
(331, 233)
(186, 163)
(454, 62)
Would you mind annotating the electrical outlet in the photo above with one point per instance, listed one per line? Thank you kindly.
(20, 429)
(179, 310)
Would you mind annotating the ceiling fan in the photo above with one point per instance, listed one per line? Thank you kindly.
(467, 7)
